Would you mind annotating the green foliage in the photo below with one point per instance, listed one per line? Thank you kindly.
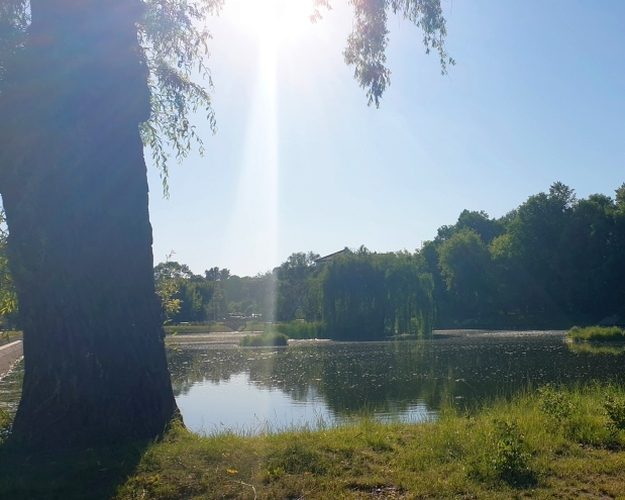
(596, 334)
(464, 261)
(296, 458)
(187, 297)
(496, 452)
(5, 425)
(370, 296)
(366, 45)
(297, 288)
(8, 296)
(553, 261)
(615, 410)
(302, 329)
(555, 403)
(511, 461)
(175, 39)
(266, 339)
(251, 295)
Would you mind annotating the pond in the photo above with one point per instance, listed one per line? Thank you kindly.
(253, 390)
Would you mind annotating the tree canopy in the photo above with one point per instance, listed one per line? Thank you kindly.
(554, 261)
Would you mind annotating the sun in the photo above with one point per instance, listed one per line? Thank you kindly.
(276, 21)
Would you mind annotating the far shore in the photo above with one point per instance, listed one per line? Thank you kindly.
(234, 338)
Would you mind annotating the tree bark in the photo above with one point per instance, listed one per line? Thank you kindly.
(74, 187)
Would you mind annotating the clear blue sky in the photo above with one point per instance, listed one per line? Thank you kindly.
(301, 163)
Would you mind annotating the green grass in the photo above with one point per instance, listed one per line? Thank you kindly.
(551, 442)
(301, 329)
(267, 339)
(196, 329)
(596, 334)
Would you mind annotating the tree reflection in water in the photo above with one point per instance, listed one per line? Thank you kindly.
(393, 378)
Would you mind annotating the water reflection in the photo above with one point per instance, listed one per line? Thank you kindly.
(250, 389)
(614, 348)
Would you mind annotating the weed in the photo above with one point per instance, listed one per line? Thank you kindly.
(615, 410)
(511, 460)
(555, 403)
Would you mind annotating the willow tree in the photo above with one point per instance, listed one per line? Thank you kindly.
(84, 84)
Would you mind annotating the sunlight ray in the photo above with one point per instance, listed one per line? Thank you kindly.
(255, 218)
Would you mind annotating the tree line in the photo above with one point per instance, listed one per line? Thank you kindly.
(552, 262)
(355, 295)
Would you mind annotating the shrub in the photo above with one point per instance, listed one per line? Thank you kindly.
(511, 461)
(615, 411)
(264, 340)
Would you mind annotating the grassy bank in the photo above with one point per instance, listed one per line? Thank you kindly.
(596, 334)
(544, 444)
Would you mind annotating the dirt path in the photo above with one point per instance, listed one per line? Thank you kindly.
(9, 354)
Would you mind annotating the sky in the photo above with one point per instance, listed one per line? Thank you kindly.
(301, 163)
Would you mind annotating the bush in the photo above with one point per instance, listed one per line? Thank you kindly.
(615, 411)
(555, 403)
(264, 340)
(511, 460)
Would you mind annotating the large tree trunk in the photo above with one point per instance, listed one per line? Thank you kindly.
(74, 187)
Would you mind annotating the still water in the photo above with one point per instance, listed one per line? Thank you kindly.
(252, 390)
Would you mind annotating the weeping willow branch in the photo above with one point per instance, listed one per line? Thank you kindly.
(175, 40)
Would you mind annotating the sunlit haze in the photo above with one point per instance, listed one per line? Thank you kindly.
(271, 20)
(301, 163)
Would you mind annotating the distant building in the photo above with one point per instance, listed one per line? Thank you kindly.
(331, 256)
